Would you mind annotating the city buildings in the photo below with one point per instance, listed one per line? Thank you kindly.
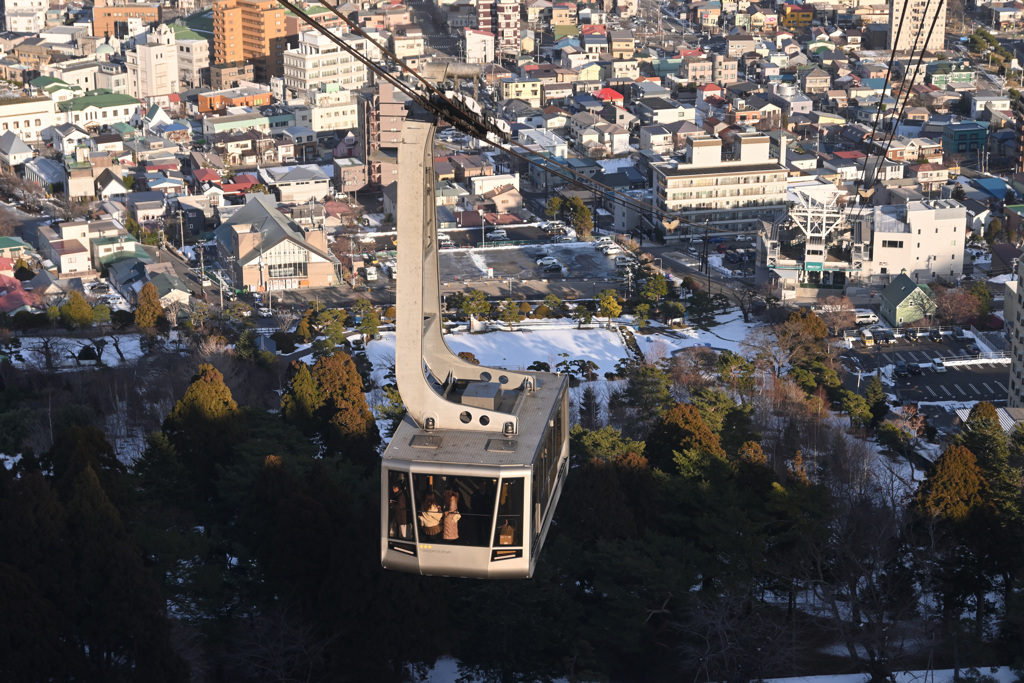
(153, 65)
(253, 31)
(922, 16)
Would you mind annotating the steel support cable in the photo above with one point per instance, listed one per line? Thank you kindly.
(888, 76)
(890, 136)
(472, 127)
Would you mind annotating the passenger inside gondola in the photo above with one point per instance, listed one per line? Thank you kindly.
(466, 507)
(430, 517)
(398, 506)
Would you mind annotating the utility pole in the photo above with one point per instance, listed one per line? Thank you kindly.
(181, 229)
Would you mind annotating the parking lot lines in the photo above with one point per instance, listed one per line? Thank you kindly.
(987, 387)
(974, 388)
(943, 387)
(1002, 386)
(960, 389)
(931, 391)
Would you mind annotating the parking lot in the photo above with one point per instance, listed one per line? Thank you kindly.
(982, 381)
(578, 260)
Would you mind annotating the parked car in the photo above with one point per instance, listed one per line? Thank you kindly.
(974, 349)
(958, 334)
(935, 335)
(884, 337)
(561, 239)
(901, 369)
(915, 368)
(716, 240)
(911, 335)
(938, 365)
(552, 268)
(264, 312)
(547, 260)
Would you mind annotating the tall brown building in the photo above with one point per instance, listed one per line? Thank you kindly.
(250, 30)
(119, 20)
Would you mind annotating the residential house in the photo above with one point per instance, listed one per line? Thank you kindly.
(13, 152)
(98, 108)
(297, 184)
(903, 302)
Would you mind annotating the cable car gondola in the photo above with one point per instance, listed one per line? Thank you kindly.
(472, 475)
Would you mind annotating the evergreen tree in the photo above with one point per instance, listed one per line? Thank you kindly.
(303, 330)
(874, 394)
(654, 289)
(350, 424)
(122, 626)
(681, 430)
(76, 311)
(954, 488)
(608, 304)
(474, 304)
(369, 321)
(646, 395)
(589, 408)
(641, 315)
(302, 399)
(204, 426)
(148, 311)
(510, 313)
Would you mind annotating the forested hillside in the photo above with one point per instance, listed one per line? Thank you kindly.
(720, 522)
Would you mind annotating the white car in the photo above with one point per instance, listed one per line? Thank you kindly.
(612, 250)
(547, 261)
(264, 312)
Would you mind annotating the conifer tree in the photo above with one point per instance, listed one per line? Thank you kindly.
(302, 399)
(681, 430)
(122, 627)
(343, 404)
(954, 488)
(76, 311)
(148, 311)
(205, 425)
(874, 394)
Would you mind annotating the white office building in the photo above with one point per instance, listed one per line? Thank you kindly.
(317, 61)
(153, 65)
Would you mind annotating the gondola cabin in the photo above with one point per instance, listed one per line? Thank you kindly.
(472, 475)
(506, 489)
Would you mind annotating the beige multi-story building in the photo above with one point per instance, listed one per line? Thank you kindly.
(733, 195)
(25, 16)
(250, 30)
(153, 65)
(27, 117)
(916, 26)
(269, 252)
(527, 89)
(317, 62)
(193, 59)
(407, 41)
(478, 46)
(124, 19)
(333, 109)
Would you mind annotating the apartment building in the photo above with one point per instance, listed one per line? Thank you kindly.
(725, 193)
(382, 114)
(25, 16)
(924, 239)
(478, 46)
(123, 20)
(193, 59)
(250, 30)
(153, 65)
(407, 41)
(923, 16)
(506, 28)
(27, 117)
(527, 89)
(317, 62)
(333, 109)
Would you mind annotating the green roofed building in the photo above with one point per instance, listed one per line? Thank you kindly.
(98, 108)
(904, 302)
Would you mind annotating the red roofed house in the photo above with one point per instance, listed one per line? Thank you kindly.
(609, 95)
(240, 183)
(709, 90)
(206, 175)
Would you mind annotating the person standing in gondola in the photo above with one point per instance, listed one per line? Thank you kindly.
(451, 516)
(399, 504)
(430, 516)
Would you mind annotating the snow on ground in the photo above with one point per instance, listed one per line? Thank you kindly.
(1000, 674)
(9, 461)
(716, 262)
(1008, 277)
(65, 349)
(729, 334)
(545, 340)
